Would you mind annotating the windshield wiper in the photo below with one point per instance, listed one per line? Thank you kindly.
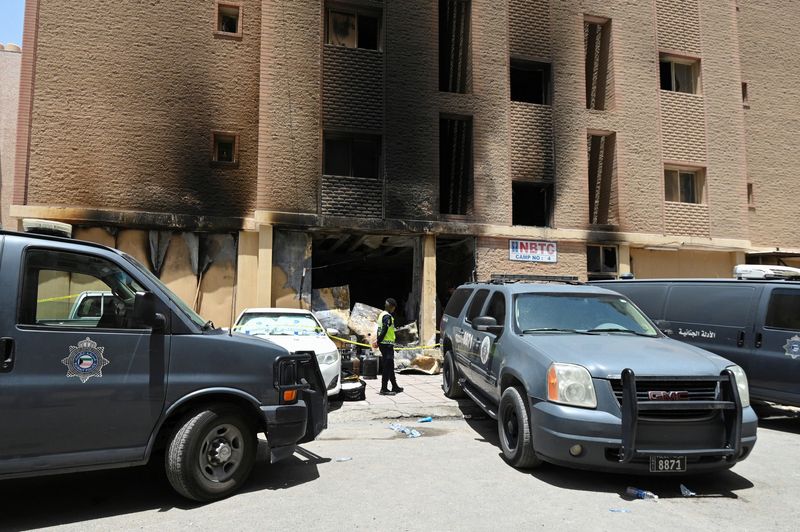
(208, 326)
(620, 330)
(553, 329)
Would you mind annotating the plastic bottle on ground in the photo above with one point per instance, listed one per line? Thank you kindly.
(641, 494)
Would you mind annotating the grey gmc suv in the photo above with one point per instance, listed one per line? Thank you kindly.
(578, 376)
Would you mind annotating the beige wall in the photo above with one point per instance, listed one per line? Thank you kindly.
(653, 264)
(9, 106)
(491, 257)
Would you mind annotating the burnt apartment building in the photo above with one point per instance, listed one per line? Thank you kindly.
(251, 151)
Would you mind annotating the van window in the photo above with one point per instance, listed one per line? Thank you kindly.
(783, 311)
(723, 304)
(457, 302)
(477, 304)
(649, 298)
(74, 290)
(497, 307)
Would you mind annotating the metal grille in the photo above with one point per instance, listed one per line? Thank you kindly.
(698, 391)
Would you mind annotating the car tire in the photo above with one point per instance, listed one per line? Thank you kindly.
(514, 429)
(450, 385)
(211, 454)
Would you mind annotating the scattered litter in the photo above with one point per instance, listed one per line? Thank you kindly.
(641, 494)
(425, 420)
(686, 492)
(344, 459)
(411, 433)
(619, 510)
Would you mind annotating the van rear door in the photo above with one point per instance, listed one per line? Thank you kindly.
(775, 373)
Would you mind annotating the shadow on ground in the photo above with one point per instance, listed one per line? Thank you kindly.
(723, 484)
(64, 499)
(776, 417)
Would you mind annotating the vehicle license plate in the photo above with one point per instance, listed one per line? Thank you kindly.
(663, 464)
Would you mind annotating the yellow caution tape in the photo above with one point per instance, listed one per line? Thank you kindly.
(60, 298)
(396, 349)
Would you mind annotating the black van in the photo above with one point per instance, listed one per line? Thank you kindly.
(755, 324)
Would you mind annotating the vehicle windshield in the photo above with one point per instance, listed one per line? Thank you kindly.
(279, 324)
(580, 313)
(191, 314)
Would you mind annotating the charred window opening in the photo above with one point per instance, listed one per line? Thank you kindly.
(225, 147)
(229, 19)
(353, 28)
(679, 74)
(532, 204)
(601, 262)
(601, 151)
(530, 82)
(455, 165)
(597, 50)
(352, 155)
(454, 45)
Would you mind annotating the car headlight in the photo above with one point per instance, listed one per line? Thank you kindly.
(741, 383)
(570, 384)
(328, 358)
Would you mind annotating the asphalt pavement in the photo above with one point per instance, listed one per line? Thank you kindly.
(361, 475)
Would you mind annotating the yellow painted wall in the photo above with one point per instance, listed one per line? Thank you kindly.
(652, 264)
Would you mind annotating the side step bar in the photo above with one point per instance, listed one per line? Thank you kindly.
(476, 397)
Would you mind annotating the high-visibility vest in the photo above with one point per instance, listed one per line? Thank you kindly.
(389, 337)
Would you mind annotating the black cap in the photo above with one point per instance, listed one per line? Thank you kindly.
(391, 301)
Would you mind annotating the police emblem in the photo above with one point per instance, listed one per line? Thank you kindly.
(792, 347)
(85, 360)
(486, 348)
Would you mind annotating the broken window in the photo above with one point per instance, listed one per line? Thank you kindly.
(225, 147)
(597, 50)
(601, 148)
(531, 204)
(353, 28)
(601, 262)
(679, 74)
(352, 155)
(455, 165)
(229, 19)
(685, 186)
(454, 48)
(530, 82)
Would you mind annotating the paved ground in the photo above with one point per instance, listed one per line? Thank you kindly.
(422, 396)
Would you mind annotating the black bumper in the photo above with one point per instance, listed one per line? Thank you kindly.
(286, 424)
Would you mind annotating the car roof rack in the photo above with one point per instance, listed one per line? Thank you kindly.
(502, 278)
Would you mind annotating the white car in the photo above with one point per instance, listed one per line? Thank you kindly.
(296, 330)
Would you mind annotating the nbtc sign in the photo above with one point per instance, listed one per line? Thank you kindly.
(532, 251)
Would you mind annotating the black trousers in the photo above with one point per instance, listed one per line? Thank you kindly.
(387, 366)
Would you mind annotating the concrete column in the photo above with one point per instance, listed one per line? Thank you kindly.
(427, 313)
(623, 259)
(247, 271)
(264, 279)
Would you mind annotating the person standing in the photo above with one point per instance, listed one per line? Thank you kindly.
(385, 342)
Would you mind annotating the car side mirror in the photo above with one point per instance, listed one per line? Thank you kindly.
(144, 312)
(487, 324)
(332, 332)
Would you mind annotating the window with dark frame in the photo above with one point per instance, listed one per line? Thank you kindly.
(679, 74)
(476, 305)
(351, 155)
(455, 165)
(454, 46)
(531, 204)
(601, 262)
(229, 19)
(530, 81)
(751, 202)
(783, 312)
(601, 150)
(684, 186)
(225, 148)
(353, 27)
(745, 96)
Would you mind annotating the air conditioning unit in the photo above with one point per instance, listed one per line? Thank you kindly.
(763, 271)
(46, 227)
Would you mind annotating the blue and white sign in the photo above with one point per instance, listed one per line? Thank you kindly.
(532, 251)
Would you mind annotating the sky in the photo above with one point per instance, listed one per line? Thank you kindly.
(11, 16)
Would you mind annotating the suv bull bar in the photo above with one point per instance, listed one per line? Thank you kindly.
(729, 404)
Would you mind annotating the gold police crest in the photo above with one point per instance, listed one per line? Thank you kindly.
(85, 360)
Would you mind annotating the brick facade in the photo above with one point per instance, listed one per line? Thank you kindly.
(531, 142)
(352, 89)
(10, 63)
(683, 127)
(686, 219)
(679, 25)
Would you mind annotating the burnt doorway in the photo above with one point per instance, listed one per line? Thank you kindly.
(374, 267)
